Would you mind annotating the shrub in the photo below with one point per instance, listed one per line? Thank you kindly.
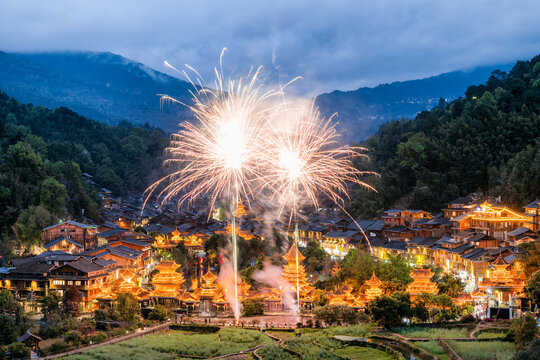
(524, 330)
(333, 315)
(159, 313)
(18, 350)
(73, 338)
(98, 337)
(251, 307)
(57, 347)
(200, 328)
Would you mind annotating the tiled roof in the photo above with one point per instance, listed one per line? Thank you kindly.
(395, 245)
(78, 224)
(84, 266)
(57, 240)
(112, 232)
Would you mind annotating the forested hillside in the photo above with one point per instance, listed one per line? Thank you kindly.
(489, 141)
(43, 153)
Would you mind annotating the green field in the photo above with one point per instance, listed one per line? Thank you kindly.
(433, 348)
(361, 353)
(431, 333)
(173, 344)
(491, 333)
(483, 350)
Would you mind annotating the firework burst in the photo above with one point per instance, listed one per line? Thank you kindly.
(219, 155)
(304, 160)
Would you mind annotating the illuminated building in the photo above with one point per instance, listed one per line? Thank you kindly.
(495, 221)
(72, 230)
(397, 217)
(162, 243)
(421, 283)
(166, 282)
(293, 275)
(502, 281)
(373, 287)
(85, 276)
(532, 215)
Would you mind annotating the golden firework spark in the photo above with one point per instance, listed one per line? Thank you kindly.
(305, 160)
(218, 155)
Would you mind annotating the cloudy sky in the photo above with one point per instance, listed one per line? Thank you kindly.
(332, 44)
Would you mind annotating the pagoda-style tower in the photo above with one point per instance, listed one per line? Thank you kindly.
(167, 281)
(373, 287)
(240, 210)
(421, 283)
(244, 290)
(126, 283)
(160, 242)
(209, 288)
(503, 282)
(294, 276)
(501, 274)
(338, 298)
(176, 237)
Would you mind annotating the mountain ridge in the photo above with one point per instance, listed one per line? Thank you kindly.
(111, 88)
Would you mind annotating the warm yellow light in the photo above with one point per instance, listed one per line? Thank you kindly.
(291, 163)
(231, 143)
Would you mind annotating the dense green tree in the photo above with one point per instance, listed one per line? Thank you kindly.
(316, 257)
(336, 315)
(357, 266)
(51, 303)
(450, 285)
(127, 307)
(251, 307)
(524, 329)
(44, 153)
(533, 288)
(18, 350)
(389, 311)
(71, 301)
(395, 269)
(8, 329)
(53, 196)
(159, 313)
(8, 305)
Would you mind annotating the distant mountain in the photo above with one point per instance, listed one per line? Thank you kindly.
(111, 88)
(101, 86)
(361, 112)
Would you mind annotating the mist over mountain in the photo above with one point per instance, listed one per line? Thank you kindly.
(110, 88)
(361, 112)
(102, 86)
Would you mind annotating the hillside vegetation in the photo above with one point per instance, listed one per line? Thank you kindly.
(488, 141)
(43, 153)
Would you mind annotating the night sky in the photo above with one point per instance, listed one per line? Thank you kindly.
(331, 44)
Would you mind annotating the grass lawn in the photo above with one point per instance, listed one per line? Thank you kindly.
(431, 333)
(483, 350)
(485, 334)
(284, 335)
(274, 352)
(361, 353)
(432, 347)
(173, 344)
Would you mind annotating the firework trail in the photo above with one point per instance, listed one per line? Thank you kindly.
(304, 160)
(219, 155)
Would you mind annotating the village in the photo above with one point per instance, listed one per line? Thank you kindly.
(474, 239)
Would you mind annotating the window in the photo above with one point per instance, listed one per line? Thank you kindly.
(78, 283)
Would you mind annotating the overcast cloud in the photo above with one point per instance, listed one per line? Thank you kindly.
(331, 44)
